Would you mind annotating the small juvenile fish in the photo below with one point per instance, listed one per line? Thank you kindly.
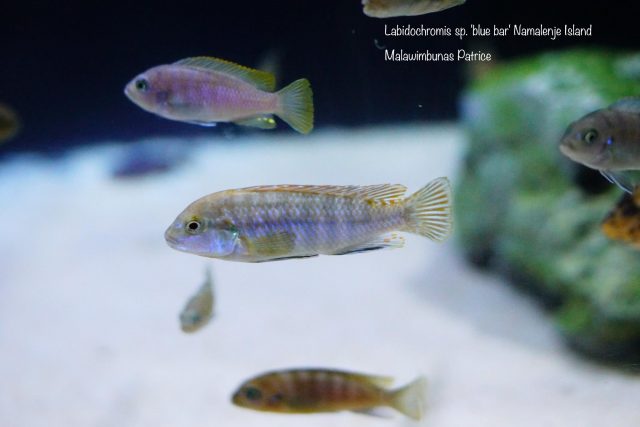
(9, 123)
(323, 390)
(269, 223)
(392, 8)
(199, 309)
(205, 91)
(607, 140)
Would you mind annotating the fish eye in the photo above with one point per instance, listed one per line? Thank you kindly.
(253, 394)
(590, 136)
(193, 226)
(142, 85)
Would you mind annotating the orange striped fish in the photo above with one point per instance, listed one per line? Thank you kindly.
(323, 390)
(623, 221)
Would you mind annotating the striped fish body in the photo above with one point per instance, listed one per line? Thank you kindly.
(314, 390)
(290, 223)
(324, 390)
(277, 222)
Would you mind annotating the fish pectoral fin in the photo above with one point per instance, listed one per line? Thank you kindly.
(618, 179)
(261, 122)
(387, 241)
(630, 104)
(277, 245)
(261, 79)
(201, 123)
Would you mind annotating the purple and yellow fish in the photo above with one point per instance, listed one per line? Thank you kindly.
(304, 391)
(206, 91)
(296, 221)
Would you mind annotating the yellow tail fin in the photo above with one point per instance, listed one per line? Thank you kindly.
(296, 105)
(428, 211)
(410, 399)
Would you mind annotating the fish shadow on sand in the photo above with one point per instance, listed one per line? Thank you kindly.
(484, 301)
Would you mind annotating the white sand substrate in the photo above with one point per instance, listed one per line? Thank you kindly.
(90, 295)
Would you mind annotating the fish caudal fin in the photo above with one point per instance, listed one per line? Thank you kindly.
(410, 399)
(296, 105)
(428, 212)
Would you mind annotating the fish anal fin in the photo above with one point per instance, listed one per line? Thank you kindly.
(287, 257)
(372, 412)
(629, 104)
(261, 122)
(261, 79)
(387, 241)
(277, 245)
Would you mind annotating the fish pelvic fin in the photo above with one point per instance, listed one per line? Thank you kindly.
(296, 105)
(428, 211)
(410, 399)
(619, 179)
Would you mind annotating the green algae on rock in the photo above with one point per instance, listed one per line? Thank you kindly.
(526, 210)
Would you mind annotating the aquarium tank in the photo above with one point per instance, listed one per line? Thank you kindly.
(346, 213)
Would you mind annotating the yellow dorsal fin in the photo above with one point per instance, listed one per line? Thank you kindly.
(261, 79)
(377, 193)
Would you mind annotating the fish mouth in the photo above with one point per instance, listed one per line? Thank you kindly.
(170, 239)
(127, 91)
(567, 148)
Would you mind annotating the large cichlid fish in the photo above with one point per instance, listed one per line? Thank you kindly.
(294, 221)
(206, 91)
(607, 140)
(303, 391)
(393, 8)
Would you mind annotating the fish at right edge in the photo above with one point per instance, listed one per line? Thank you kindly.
(607, 140)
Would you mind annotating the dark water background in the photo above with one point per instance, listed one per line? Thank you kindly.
(64, 64)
